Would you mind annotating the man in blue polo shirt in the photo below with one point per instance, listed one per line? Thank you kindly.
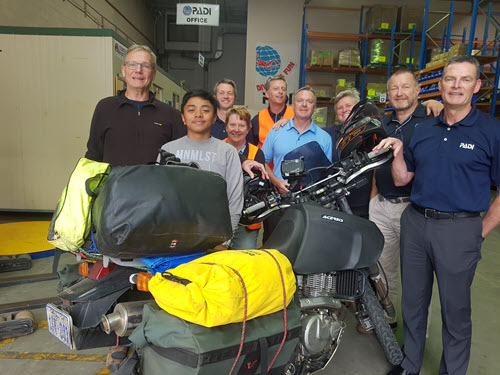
(453, 159)
(299, 131)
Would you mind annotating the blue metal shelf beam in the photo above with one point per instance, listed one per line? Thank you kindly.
(423, 46)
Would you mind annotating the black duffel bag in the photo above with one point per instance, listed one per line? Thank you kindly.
(152, 210)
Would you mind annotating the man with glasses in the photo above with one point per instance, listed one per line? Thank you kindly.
(225, 93)
(276, 92)
(130, 128)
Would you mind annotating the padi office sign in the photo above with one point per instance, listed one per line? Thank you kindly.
(197, 14)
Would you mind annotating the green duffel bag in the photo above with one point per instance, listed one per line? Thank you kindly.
(172, 346)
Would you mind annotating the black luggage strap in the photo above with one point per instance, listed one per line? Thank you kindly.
(263, 356)
(194, 360)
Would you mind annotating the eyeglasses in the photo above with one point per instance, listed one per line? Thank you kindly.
(132, 65)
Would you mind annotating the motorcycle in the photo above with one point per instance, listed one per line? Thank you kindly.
(333, 254)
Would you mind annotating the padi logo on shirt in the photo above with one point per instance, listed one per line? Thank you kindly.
(332, 218)
(468, 146)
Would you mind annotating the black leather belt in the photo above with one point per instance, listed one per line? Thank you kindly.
(433, 214)
(381, 198)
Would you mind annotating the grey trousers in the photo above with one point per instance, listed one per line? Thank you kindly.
(450, 248)
(387, 216)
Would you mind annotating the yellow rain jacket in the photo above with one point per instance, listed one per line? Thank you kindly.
(71, 220)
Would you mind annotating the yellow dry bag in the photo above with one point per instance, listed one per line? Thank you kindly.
(212, 290)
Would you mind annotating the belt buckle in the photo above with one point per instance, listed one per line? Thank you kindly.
(429, 213)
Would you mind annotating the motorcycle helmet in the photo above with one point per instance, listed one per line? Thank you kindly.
(361, 131)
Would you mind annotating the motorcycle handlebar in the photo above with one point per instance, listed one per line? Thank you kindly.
(342, 178)
(254, 208)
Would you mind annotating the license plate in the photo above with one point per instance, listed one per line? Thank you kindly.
(60, 325)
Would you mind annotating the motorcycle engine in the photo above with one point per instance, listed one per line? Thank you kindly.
(321, 329)
(322, 323)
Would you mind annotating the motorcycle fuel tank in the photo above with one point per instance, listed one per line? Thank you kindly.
(317, 239)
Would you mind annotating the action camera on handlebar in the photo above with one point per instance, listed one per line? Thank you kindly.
(293, 168)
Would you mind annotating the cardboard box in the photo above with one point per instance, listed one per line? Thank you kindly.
(430, 64)
(404, 53)
(316, 58)
(343, 85)
(345, 57)
(379, 18)
(411, 16)
(349, 57)
(457, 50)
(374, 90)
(320, 116)
(379, 52)
(355, 58)
(322, 92)
(328, 58)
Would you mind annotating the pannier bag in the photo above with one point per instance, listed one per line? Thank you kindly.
(172, 346)
(152, 210)
(72, 218)
(212, 290)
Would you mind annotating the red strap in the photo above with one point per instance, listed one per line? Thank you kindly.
(284, 310)
(242, 340)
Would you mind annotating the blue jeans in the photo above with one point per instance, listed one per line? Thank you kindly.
(244, 239)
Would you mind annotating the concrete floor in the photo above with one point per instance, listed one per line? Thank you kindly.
(41, 353)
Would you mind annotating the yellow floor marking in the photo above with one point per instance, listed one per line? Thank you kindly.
(54, 356)
(7, 341)
(42, 325)
(103, 371)
(24, 237)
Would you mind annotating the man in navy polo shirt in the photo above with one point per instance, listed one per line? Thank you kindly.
(225, 93)
(454, 159)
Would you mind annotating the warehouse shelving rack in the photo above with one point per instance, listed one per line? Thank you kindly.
(362, 38)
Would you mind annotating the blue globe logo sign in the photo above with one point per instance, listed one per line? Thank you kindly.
(268, 61)
(187, 10)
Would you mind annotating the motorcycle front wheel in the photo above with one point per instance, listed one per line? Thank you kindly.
(382, 329)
